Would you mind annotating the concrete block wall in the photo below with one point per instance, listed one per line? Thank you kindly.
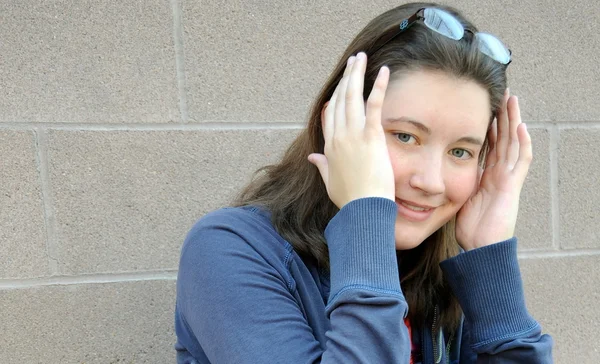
(122, 123)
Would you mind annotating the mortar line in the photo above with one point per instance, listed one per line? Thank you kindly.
(180, 60)
(9, 284)
(49, 217)
(215, 125)
(579, 125)
(219, 125)
(554, 190)
(226, 124)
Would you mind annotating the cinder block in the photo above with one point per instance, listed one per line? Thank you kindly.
(264, 61)
(22, 223)
(562, 294)
(579, 192)
(128, 322)
(534, 224)
(88, 61)
(125, 200)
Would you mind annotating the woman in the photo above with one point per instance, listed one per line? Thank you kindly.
(416, 151)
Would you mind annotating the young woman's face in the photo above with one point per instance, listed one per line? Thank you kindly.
(435, 126)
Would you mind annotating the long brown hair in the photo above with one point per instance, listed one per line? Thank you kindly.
(293, 191)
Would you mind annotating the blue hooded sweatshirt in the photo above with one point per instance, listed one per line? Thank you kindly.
(245, 297)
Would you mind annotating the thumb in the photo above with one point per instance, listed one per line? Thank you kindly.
(320, 161)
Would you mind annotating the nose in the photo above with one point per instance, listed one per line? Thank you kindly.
(428, 176)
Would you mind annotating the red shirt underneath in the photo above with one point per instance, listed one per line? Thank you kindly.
(413, 349)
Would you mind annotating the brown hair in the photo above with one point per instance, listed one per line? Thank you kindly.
(293, 191)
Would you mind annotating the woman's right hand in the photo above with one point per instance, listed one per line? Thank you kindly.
(355, 163)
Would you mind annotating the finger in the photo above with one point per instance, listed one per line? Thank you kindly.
(355, 103)
(514, 117)
(503, 133)
(376, 97)
(340, 102)
(349, 64)
(320, 161)
(329, 122)
(491, 154)
(525, 152)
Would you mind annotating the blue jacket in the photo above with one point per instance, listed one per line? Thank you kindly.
(245, 297)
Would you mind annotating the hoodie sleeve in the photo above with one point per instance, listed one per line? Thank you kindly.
(235, 306)
(497, 328)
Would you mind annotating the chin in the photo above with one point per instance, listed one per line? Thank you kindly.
(410, 235)
(404, 242)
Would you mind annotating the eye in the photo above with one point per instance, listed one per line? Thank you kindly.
(461, 153)
(405, 138)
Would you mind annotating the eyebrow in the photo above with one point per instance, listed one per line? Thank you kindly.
(425, 129)
(403, 119)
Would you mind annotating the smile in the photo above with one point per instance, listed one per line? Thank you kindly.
(414, 208)
(413, 212)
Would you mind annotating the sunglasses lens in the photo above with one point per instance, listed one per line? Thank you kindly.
(443, 23)
(493, 47)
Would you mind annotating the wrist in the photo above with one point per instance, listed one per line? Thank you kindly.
(484, 241)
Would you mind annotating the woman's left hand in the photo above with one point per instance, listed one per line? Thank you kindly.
(490, 215)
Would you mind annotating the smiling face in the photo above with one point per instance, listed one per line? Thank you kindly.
(435, 126)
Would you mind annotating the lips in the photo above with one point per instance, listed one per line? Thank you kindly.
(414, 204)
(414, 212)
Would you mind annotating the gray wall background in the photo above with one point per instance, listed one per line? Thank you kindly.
(121, 123)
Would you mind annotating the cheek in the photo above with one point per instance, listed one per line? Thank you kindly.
(400, 166)
(461, 185)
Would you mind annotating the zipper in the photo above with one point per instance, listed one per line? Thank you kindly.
(435, 332)
(437, 337)
(434, 343)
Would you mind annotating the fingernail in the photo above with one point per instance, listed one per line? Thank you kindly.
(525, 126)
(508, 91)
(361, 56)
(350, 60)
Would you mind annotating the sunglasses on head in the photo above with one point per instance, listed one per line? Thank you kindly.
(448, 25)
